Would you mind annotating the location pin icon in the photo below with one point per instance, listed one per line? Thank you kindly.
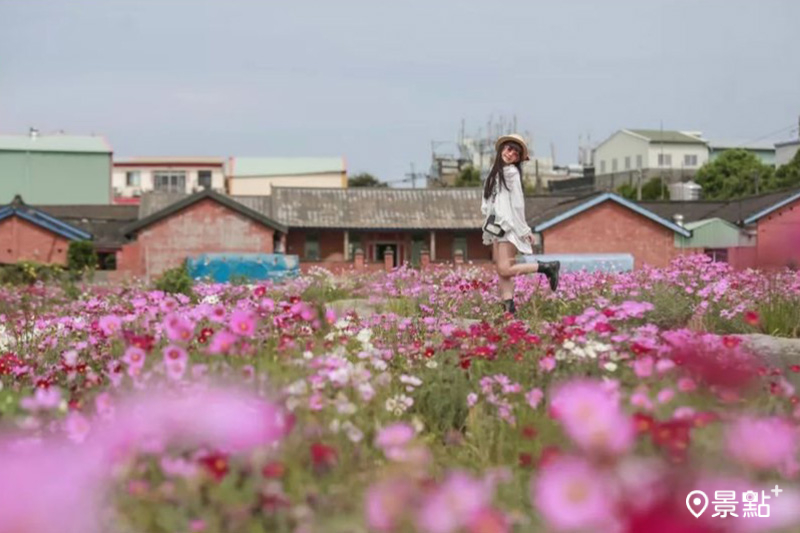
(697, 502)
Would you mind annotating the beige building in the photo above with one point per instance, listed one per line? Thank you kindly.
(629, 155)
(134, 176)
(255, 176)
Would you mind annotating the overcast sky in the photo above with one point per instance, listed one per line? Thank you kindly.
(377, 81)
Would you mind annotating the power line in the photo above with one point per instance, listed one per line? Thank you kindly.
(782, 130)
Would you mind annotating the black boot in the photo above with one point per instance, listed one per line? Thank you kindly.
(551, 270)
(509, 306)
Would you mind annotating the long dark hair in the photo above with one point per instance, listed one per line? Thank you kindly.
(496, 174)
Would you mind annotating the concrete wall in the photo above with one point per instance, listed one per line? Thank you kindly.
(262, 185)
(21, 240)
(612, 228)
(55, 178)
(146, 183)
(778, 243)
(205, 227)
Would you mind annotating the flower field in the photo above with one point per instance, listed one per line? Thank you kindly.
(261, 408)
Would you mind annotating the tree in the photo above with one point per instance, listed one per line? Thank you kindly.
(735, 173)
(364, 179)
(788, 175)
(81, 256)
(468, 177)
(651, 190)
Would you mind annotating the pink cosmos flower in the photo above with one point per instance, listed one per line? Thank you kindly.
(547, 364)
(175, 360)
(104, 405)
(533, 397)
(592, 418)
(763, 443)
(134, 356)
(222, 342)
(454, 504)
(243, 323)
(572, 495)
(393, 438)
(110, 325)
(43, 398)
(218, 314)
(643, 368)
(179, 328)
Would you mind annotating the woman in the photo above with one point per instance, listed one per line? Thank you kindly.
(506, 228)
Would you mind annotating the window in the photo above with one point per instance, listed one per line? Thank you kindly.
(169, 180)
(719, 255)
(614, 165)
(460, 243)
(690, 160)
(133, 178)
(204, 179)
(311, 250)
(602, 167)
(665, 160)
(627, 162)
(639, 161)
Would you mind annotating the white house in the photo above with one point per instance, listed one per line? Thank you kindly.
(673, 155)
(134, 176)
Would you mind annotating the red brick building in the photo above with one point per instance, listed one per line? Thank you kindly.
(607, 223)
(778, 233)
(327, 226)
(29, 234)
(200, 223)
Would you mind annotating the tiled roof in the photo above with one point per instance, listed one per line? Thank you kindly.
(378, 208)
(104, 222)
(668, 137)
(54, 143)
(19, 208)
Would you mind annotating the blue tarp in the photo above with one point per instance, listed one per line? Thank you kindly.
(222, 267)
(587, 262)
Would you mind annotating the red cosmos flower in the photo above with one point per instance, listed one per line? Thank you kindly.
(273, 470)
(604, 327)
(9, 362)
(643, 423)
(704, 418)
(525, 460)
(639, 349)
(216, 464)
(731, 342)
(672, 436)
(529, 432)
(795, 368)
(260, 291)
(429, 351)
(323, 456)
(752, 318)
(204, 335)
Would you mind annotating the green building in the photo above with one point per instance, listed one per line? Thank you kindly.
(55, 169)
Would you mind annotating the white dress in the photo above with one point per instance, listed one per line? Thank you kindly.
(508, 207)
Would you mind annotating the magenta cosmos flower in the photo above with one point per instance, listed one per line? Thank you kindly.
(454, 504)
(592, 418)
(762, 443)
(243, 323)
(572, 495)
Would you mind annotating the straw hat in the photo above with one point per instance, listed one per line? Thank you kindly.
(517, 139)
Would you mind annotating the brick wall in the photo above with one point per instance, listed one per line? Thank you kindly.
(778, 243)
(612, 228)
(204, 227)
(21, 240)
